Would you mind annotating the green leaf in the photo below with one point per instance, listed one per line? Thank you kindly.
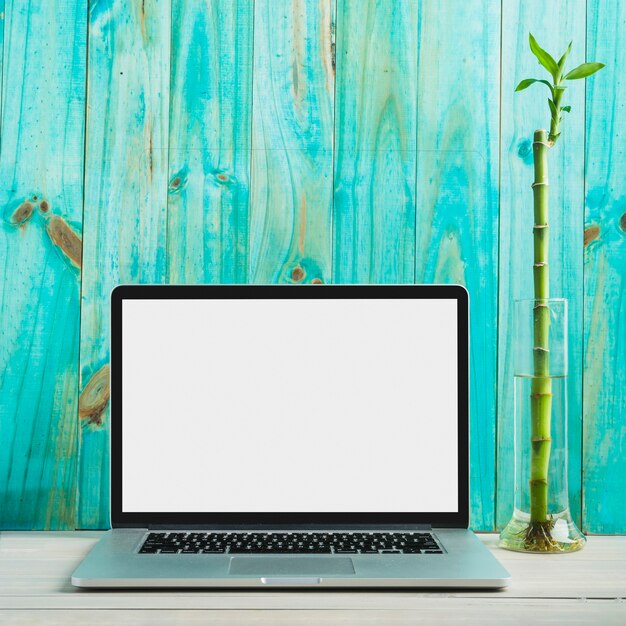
(566, 109)
(565, 55)
(527, 82)
(543, 57)
(552, 108)
(584, 70)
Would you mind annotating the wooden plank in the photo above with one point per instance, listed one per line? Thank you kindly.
(125, 204)
(522, 113)
(450, 612)
(41, 164)
(2, 29)
(457, 186)
(375, 138)
(292, 138)
(209, 158)
(604, 446)
(35, 571)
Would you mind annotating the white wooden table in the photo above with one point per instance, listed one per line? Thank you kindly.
(588, 587)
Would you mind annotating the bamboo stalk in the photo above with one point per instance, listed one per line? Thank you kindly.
(537, 535)
(541, 388)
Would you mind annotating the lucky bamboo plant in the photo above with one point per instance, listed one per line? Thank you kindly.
(538, 534)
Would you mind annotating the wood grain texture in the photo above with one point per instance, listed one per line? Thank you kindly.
(445, 613)
(604, 445)
(2, 27)
(522, 114)
(35, 570)
(264, 167)
(375, 140)
(209, 158)
(457, 208)
(41, 166)
(292, 140)
(126, 180)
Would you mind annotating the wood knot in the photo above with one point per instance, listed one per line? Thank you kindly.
(317, 281)
(525, 148)
(591, 234)
(95, 396)
(44, 206)
(297, 274)
(222, 178)
(66, 239)
(178, 181)
(622, 222)
(23, 213)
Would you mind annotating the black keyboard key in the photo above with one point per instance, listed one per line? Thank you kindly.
(290, 543)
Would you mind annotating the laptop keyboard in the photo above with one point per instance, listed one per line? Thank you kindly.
(290, 543)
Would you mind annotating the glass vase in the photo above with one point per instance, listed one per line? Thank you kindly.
(541, 520)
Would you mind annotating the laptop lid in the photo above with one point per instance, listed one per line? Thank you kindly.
(284, 406)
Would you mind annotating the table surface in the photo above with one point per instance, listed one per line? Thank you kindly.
(580, 588)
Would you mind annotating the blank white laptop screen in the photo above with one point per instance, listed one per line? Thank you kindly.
(300, 405)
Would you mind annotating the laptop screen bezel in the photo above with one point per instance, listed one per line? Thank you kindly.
(120, 519)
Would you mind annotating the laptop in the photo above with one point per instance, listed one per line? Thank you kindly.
(289, 437)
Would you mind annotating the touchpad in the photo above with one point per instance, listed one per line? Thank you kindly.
(291, 566)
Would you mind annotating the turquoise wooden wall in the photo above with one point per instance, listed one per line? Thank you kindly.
(300, 141)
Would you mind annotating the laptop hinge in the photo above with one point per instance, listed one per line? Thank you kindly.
(390, 527)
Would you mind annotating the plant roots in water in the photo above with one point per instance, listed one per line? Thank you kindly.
(539, 537)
